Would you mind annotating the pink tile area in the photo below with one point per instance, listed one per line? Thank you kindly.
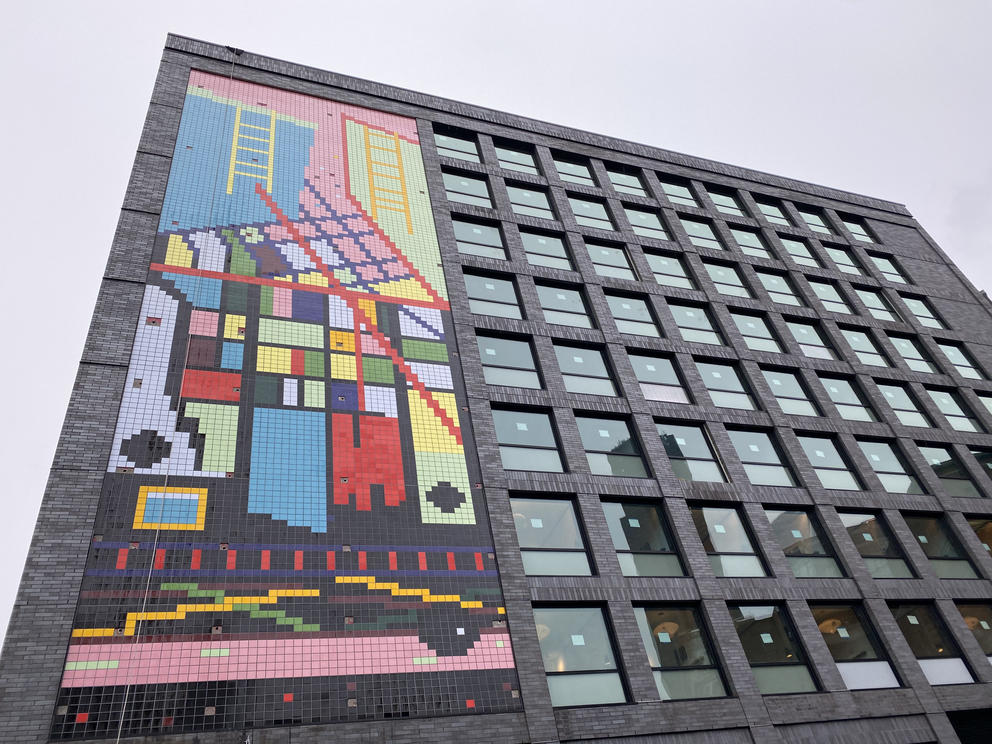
(282, 302)
(371, 346)
(203, 323)
(205, 661)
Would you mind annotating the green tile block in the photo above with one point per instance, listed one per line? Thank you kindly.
(235, 297)
(205, 652)
(433, 351)
(266, 391)
(377, 369)
(313, 364)
(266, 296)
(290, 333)
(313, 393)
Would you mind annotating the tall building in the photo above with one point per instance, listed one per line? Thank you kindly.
(403, 420)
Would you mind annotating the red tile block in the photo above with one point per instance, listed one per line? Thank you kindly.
(232, 559)
(298, 560)
(362, 561)
(204, 384)
(422, 561)
(82, 717)
(287, 697)
(451, 561)
(266, 557)
(194, 562)
(330, 560)
(470, 703)
(160, 559)
(392, 560)
(122, 558)
(478, 562)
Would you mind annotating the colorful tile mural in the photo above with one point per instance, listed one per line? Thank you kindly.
(287, 531)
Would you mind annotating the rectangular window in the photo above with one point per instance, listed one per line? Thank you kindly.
(858, 228)
(889, 269)
(591, 213)
(829, 462)
(962, 361)
(530, 202)
(814, 220)
(978, 618)
(725, 386)
(642, 539)
(779, 288)
(953, 477)
(882, 555)
(678, 192)
(773, 213)
(632, 315)
(903, 405)
(658, 378)
(932, 644)
(701, 234)
(584, 370)
(923, 312)
(790, 392)
(625, 180)
(810, 339)
(563, 306)
(478, 238)
(678, 649)
(986, 401)
(578, 656)
(757, 334)
(940, 546)
(467, 189)
(543, 249)
(695, 324)
(957, 413)
(688, 448)
(844, 260)
(847, 398)
(890, 467)
(572, 170)
(800, 252)
(799, 534)
(461, 146)
(550, 539)
(831, 297)
(983, 530)
(488, 295)
(854, 647)
(726, 541)
(669, 270)
(984, 458)
(864, 347)
(609, 260)
(727, 279)
(611, 447)
(912, 353)
(761, 458)
(877, 304)
(518, 160)
(751, 243)
(526, 440)
(646, 224)
(726, 202)
(507, 361)
(772, 649)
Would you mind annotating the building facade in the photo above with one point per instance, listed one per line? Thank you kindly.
(405, 420)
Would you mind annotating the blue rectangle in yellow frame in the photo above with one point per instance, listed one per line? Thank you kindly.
(170, 508)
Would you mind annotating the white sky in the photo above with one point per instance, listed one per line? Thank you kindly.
(887, 98)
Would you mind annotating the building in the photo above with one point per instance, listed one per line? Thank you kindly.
(405, 420)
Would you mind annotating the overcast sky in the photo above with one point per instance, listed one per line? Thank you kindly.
(890, 99)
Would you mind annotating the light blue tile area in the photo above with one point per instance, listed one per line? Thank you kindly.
(232, 355)
(169, 509)
(198, 290)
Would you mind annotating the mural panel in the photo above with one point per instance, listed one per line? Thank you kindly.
(287, 532)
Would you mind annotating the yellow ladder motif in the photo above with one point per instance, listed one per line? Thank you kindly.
(241, 154)
(387, 186)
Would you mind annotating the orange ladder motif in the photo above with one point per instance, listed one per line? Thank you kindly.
(387, 186)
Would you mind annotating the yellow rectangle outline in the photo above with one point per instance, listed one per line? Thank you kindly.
(139, 512)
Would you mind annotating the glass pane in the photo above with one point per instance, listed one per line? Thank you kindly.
(888, 568)
(573, 639)
(777, 680)
(684, 441)
(721, 529)
(607, 435)
(673, 637)
(766, 634)
(978, 618)
(702, 471)
(585, 689)
(650, 564)
(588, 385)
(490, 288)
(526, 458)
(797, 407)
(769, 475)
(574, 172)
(666, 393)
(546, 523)
(511, 377)
(637, 527)
(516, 160)
(577, 360)
(630, 466)
(549, 245)
(866, 675)
(687, 684)
(506, 352)
(498, 309)
(654, 369)
(924, 631)
(569, 319)
(796, 532)
(754, 446)
(844, 633)
(523, 427)
(814, 568)
(559, 298)
(870, 535)
(554, 563)
(731, 566)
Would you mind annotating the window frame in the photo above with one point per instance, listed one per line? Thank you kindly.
(578, 201)
(758, 465)
(523, 209)
(458, 221)
(690, 281)
(872, 414)
(530, 447)
(559, 348)
(705, 636)
(701, 508)
(704, 434)
(712, 328)
(577, 290)
(664, 529)
(799, 382)
(885, 476)
(468, 197)
(516, 167)
(515, 499)
(447, 133)
(565, 258)
(535, 368)
(505, 279)
(711, 241)
(632, 439)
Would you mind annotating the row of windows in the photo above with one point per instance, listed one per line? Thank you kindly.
(581, 664)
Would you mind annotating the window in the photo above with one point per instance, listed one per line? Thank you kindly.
(726, 541)
(858, 228)
(591, 213)
(450, 145)
(757, 335)
(625, 180)
(578, 656)
(984, 458)
(854, 647)
(478, 239)
(798, 533)
(986, 401)
(953, 477)
(563, 306)
(543, 249)
(831, 297)
(514, 159)
(882, 556)
(695, 324)
(658, 378)
(632, 315)
(889, 268)
(610, 447)
(488, 295)
(961, 360)
(914, 356)
(689, 451)
(678, 649)
(844, 260)
(923, 312)
(529, 202)
(772, 649)
(678, 192)
(701, 234)
(761, 458)
(725, 386)
(466, 189)
(904, 405)
(751, 243)
(779, 288)
(642, 540)
(846, 397)
(550, 540)
(726, 202)
(811, 341)
(646, 224)
(957, 413)
(941, 548)
(526, 440)
(773, 213)
(932, 645)
(800, 252)
(727, 279)
(889, 466)
(877, 305)
(573, 171)
(829, 463)
(609, 260)
(983, 530)
(864, 347)
(669, 270)
(978, 618)
(790, 392)
(814, 220)
(506, 361)
(584, 370)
